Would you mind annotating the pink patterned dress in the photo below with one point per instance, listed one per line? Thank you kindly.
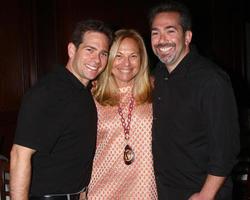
(111, 177)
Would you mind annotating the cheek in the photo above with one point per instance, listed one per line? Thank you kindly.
(115, 72)
(113, 69)
(104, 61)
(82, 55)
(136, 63)
(81, 59)
(156, 38)
(115, 64)
(153, 42)
(136, 68)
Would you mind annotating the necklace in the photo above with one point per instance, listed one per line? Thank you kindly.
(128, 154)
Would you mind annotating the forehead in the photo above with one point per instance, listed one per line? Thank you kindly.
(94, 37)
(165, 19)
(128, 44)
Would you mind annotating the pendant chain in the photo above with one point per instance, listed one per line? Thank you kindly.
(126, 127)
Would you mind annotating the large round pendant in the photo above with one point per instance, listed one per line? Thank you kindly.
(129, 155)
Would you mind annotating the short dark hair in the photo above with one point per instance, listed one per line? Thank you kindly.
(173, 6)
(90, 25)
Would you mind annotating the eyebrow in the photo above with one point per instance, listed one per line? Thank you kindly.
(89, 46)
(105, 51)
(92, 47)
(166, 27)
(133, 53)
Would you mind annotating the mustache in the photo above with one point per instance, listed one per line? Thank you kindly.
(161, 45)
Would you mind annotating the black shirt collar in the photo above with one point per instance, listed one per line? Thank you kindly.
(183, 67)
(66, 74)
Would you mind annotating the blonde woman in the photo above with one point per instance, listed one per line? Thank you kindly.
(123, 164)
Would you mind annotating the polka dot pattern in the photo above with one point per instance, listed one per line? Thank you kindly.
(111, 177)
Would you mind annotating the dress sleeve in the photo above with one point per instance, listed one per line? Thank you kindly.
(220, 111)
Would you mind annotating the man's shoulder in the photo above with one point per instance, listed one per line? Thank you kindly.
(50, 86)
(206, 69)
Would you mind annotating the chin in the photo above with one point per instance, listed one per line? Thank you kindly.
(92, 76)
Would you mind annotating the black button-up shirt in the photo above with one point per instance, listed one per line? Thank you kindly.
(195, 126)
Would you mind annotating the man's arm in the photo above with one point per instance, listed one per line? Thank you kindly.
(220, 112)
(209, 189)
(20, 172)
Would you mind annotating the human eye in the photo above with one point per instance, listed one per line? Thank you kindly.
(118, 55)
(105, 54)
(134, 56)
(171, 30)
(89, 49)
(153, 32)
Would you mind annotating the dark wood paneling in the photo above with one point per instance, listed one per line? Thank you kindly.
(15, 64)
(11, 59)
(68, 13)
(44, 36)
(34, 36)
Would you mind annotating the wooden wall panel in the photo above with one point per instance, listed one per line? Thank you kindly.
(34, 35)
(44, 36)
(15, 65)
(10, 64)
(68, 13)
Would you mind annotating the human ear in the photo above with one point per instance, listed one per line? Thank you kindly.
(71, 49)
(188, 37)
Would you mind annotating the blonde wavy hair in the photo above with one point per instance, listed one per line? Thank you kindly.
(106, 90)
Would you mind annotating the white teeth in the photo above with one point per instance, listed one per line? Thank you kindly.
(125, 70)
(165, 49)
(91, 67)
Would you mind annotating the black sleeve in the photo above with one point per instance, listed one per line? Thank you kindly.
(220, 111)
(39, 120)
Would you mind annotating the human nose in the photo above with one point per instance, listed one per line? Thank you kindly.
(163, 38)
(97, 58)
(126, 61)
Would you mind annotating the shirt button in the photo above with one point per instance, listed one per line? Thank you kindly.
(159, 98)
(165, 78)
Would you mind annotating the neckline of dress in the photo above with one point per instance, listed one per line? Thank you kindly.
(126, 89)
